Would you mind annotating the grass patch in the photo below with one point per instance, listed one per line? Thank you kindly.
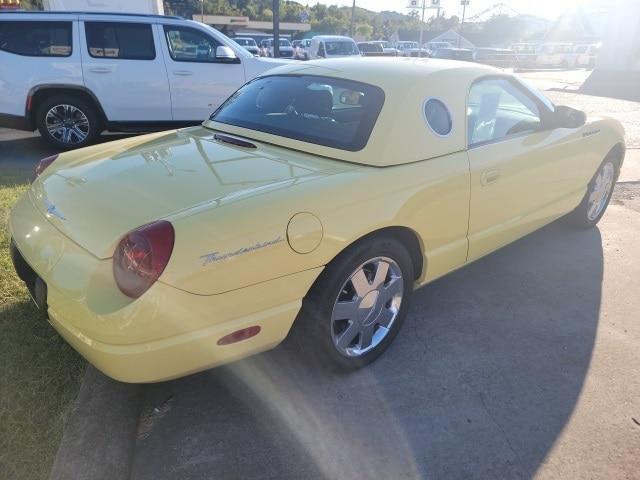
(39, 372)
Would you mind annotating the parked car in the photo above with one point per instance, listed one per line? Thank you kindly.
(249, 44)
(584, 56)
(389, 49)
(371, 49)
(548, 55)
(497, 57)
(553, 55)
(433, 46)
(302, 50)
(333, 46)
(375, 49)
(296, 45)
(321, 195)
(411, 49)
(73, 75)
(463, 54)
(526, 54)
(285, 50)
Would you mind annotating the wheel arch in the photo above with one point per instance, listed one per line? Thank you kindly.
(39, 93)
(407, 236)
(617, 154)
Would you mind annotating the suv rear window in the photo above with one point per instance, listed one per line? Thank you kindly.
(127, 41)
(326, 111)
(36, 39)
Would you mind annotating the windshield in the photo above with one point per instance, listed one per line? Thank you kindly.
(340, 47)
(321, 110)
(283, 43)
(548, 103)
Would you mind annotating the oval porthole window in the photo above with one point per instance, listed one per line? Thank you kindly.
(438, 117)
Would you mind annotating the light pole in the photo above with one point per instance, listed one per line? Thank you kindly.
(353, 13)
(202, 10)
(424, 6)
(464, 4)
(414, 5)
(276, 28)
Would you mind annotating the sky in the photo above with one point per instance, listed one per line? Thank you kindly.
(550, 9)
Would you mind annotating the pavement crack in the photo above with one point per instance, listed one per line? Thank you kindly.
(151, 415)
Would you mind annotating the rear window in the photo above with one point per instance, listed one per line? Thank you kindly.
(126, 41)
(325, 111)
(36, 39)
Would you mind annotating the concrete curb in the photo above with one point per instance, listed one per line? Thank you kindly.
(99, 439)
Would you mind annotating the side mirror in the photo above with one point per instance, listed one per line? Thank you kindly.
(567, 117)
(225, 54)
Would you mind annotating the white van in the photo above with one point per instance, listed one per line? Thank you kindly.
(73, 75)
(332, 46)
(554, 55)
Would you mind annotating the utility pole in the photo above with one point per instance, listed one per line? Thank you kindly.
(202, 11)
(276, 28)
(353, 15)
(464, 4)
(414, 6)
(424, 6)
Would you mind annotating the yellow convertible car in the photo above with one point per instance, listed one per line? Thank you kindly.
(322, 193)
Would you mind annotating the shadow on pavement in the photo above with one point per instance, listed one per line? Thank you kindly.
(479, 384)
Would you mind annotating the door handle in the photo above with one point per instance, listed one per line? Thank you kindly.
(183, 73)
(489, 176)
(100, 69)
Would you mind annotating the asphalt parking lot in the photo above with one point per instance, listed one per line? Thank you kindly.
(522, 364)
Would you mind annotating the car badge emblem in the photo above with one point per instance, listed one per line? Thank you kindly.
(217, 256)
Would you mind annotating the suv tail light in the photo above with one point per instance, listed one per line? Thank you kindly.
(141, 257)
(42, 165)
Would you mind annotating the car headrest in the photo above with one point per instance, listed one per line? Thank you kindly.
(273, 99)
(315, 102)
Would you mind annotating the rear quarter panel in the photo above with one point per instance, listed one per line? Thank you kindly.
(430, 197)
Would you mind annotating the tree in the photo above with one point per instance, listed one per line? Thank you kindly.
(31, 4)
(364, 30)
(330, 19)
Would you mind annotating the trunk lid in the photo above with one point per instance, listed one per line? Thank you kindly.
(96, 195)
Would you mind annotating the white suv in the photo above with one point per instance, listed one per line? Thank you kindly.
(73, 75)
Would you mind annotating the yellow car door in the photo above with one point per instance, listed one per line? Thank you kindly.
(520, 171)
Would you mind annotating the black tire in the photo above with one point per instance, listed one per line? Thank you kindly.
(315, 326)
(83, 110)
(580, 217)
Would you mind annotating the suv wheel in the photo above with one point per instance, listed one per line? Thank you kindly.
(67, 122)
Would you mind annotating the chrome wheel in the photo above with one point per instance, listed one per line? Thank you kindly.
(602, 187)
(367, 306)
(67, 124)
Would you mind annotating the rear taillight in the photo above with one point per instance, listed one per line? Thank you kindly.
(141, 257)
(42, 165)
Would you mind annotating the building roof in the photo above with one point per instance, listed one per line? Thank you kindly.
(450, 36)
